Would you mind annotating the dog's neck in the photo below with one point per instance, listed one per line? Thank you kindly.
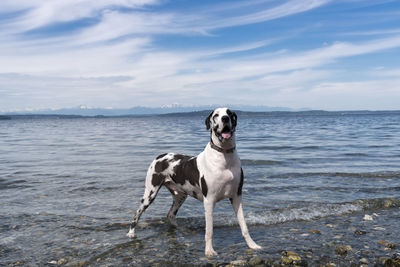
(223, 147)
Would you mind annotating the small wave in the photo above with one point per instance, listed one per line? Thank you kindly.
(380, 175)
(378, 146)
(6, 184)
(310, 147)
(312, 212)
(64, 176)
(267, 217)
(356, 154)
(85, 189)
(20, 172)
(309, 213)
(107, 227)
(251, 162)
(93, 189)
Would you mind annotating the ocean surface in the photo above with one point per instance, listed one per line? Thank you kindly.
(70, 186)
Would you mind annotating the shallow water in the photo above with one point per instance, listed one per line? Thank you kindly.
(69, 188)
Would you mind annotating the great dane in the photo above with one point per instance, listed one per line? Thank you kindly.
(215, 174)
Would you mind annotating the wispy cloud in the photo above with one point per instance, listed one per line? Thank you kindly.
(375, 32)
(36, 14)
(282, 10)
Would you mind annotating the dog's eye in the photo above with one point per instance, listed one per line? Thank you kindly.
(214, 117)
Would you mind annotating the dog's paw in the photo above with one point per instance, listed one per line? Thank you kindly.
(172, 221)
(211, 252)
(131, 233)
(255, 247)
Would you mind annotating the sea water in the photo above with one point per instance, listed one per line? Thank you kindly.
(70, 186)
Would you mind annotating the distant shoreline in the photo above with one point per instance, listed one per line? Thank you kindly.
(199, 113)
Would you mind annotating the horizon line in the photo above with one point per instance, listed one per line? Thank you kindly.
(313, 111)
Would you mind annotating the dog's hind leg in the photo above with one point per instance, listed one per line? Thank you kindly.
(148, 198)
(154, 181)
(178, 198)
(149, 195)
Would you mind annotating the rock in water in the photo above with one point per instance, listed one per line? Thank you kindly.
(62, 261)
(342, 250)
(255, 261)
(368, 217)
(290, 257)
(359, 232)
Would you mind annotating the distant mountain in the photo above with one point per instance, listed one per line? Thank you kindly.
(138, 110)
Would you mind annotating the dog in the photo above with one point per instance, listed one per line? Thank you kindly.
(215, 174)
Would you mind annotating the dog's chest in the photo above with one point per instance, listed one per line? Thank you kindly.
(225, 177)
(222, 177)
(224, 183)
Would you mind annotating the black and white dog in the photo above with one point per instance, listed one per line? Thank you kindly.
(213, 175)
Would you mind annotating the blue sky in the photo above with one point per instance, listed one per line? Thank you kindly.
(320, 54)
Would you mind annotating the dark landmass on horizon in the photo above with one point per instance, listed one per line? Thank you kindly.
(171, 110)
(141, 110)
(201, 113)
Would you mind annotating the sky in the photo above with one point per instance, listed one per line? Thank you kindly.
(318, 54)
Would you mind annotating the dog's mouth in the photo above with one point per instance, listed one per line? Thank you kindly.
(226, 133)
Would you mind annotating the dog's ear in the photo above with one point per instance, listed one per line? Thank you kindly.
(208, 121)
(234, 119)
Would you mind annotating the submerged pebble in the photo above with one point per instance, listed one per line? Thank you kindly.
(368, 217)
(256, 261)
(62, 261)
(342, 249)
(393, 262)
(238, 263)
(388, 203)
(387, 245)
(390, 246)
(315, 231)
(290, 257)
(360, 232)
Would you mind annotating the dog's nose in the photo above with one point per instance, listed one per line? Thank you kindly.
(225, 119)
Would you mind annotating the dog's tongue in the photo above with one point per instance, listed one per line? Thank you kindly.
(226, 135)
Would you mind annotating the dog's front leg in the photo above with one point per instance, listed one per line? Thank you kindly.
(237, 206)
(209, 209)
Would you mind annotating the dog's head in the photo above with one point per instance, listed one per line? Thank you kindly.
(222, 123)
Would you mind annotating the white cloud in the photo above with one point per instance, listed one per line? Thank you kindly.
(376, 94)
(116, 25)
(286, 9)
(44, 92)
(106, 59)
(40, 13)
